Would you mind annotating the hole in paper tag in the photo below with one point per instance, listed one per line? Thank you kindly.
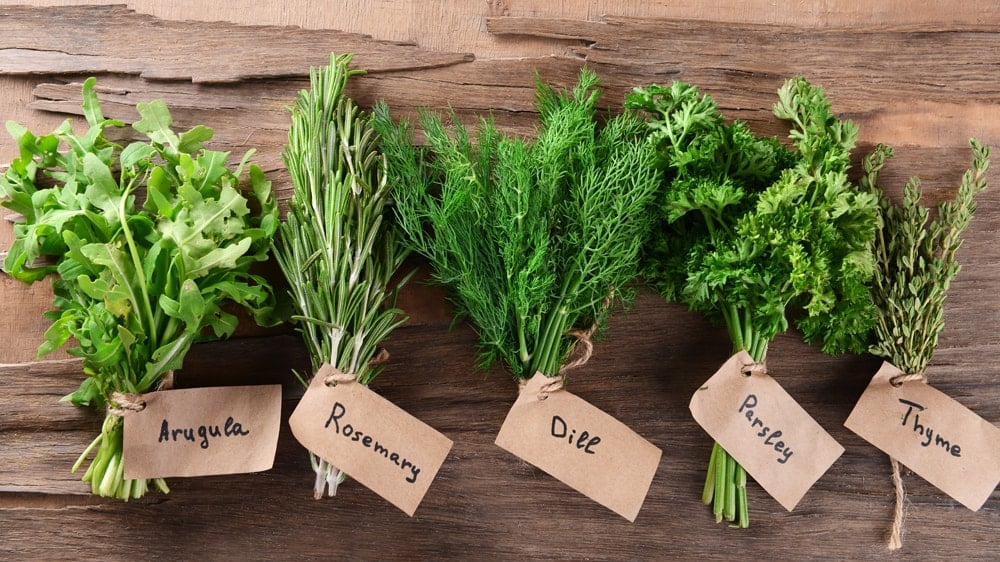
(764, 429)
(374, 441)
(581, 446)
(935, 436)
(202, 431)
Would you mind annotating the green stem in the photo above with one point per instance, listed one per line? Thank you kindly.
(709, 489)
(147, 310)
(730, 488)
(725, 482)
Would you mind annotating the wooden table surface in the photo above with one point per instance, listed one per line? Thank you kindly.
(921, 76)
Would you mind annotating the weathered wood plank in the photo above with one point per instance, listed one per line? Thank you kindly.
(901, 84)
(104, 39)
(924, 87)
(485, 499)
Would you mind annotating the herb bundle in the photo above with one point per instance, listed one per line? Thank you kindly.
(136, 286)
(753, 233)
(336, 252)
(531, 237)
(915, 259)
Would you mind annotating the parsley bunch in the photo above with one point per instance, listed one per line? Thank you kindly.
(753, 233)
(334, 248)
(532, 237)
(135, 286)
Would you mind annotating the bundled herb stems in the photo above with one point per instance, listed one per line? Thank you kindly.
(915, 266)
(336, 251)
(750, 233)
(532, 237)
(135, 285)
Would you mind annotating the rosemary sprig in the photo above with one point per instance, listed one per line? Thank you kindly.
(335, 249)
(531, 237)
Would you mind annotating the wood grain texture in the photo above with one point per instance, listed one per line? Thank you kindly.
(103, 39)
(918, 75)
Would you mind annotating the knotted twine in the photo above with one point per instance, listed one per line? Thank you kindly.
(334, 376)
(121, 402)
(577, 357)
(896, 534)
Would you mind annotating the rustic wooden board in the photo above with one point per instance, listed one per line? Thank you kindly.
(920, 78)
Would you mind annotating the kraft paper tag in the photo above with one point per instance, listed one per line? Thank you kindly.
(371, 439)
(764, 429)
(581, 446)
(203, 431)
(932, 434)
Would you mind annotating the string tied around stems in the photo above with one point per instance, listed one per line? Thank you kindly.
(896, 532)
(754, 369)
(577, 357)
(333, 376)
(122, 402)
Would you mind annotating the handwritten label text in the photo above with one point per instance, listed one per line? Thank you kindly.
(926, 431)
(769, 436)
(231, 428)
(348, 431)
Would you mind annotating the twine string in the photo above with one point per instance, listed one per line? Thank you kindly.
(754, 369)
(121, 403)
(896, 533)
(898, 380)
(335, 377)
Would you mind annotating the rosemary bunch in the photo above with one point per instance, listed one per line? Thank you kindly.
(336, 252)
(532, 237)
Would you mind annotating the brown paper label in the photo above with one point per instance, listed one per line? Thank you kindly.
(371, 439)
(765, 430)
(203, 431)
(581, 446)
(932, 434)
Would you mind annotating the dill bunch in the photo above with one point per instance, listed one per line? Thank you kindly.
(531, 237)
(336, 250)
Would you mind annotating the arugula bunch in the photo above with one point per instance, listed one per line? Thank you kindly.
(532, 237)
(135, 286)
(754, 233)
(915, 264)
(335, 249)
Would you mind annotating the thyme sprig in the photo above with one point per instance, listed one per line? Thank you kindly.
(336, 250)
(530, 236)
(916, 260)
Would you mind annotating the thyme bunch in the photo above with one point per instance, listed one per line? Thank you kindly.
(915, 257)
(335, 248)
